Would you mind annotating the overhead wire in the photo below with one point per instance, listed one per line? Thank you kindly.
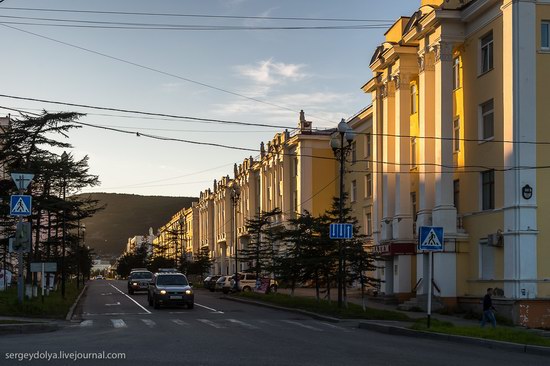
(104, 12)
(151, 69)
(454, 169)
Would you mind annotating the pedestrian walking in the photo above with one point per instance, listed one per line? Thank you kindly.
(488, 308)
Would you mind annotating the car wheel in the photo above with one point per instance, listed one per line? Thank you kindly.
(156, 304)
(130, 291)
(273, 288)
(247, 289)
(190, 305)
(225, 291)
(149, 300)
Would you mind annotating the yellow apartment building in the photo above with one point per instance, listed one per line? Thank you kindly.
(459, 101)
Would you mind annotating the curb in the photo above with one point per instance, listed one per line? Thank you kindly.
(291, 310)
(73, 306)
(26, 328)
(487, 343)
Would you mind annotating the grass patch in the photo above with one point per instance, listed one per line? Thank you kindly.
(54, 306)
(500, 333)
(324, 307)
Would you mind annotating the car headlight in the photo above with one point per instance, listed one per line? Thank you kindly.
(134, 283)
(188, 292)
(163, 292)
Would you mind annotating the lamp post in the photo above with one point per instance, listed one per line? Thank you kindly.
(181, 222)
(337, 143)
(64, 160)
(235, 195)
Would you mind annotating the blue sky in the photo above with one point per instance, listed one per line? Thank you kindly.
(317, 70)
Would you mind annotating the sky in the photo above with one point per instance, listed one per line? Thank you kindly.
(217, 64)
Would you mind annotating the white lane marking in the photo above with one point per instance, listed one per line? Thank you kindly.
(179, 322)
(147, 311)
(87, 323)
(335, 327)
(106, 293)
(149, 322)
(246, 325)
(91, 314)
(212, 324)
(118, 323)
(115, 304)
(302, 325)
(207, 308)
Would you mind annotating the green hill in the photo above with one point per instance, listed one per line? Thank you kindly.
(128, 215)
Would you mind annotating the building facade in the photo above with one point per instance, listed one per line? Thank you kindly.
(458, 112)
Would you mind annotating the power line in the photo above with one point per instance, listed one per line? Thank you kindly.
(198, 119)
(197, 15)
(151, 69)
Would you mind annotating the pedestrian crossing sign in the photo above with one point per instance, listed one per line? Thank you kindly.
(431, 238)
(20, 205)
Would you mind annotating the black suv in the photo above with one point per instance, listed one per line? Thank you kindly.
(170, 288)
(139, 280)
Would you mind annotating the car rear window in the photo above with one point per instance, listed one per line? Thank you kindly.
(141, 275)
(172, 280)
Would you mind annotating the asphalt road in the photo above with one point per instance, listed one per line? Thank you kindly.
(222, 332)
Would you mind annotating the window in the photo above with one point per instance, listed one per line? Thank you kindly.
(368, 145)
(368, 185)
(414, 98)
(413, 152)
(487, 112)
(353, 152)
(456, 193)
(545, 35)
(295, 167)
(456, 73)
(295, 200)
(487, 53)
(486, 261)
(456, 135)
(368, 224)
(488, 190)
(353, 191)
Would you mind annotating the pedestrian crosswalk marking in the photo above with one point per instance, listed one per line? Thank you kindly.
(149, 322)
(246, 325)
(87, 323)
(303, 325)
(335, 327)
(179, 322)
(211, 323)
(118, 323)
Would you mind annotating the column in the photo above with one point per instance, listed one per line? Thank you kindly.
(444, 212)
(388, 155)
(520, 124)
(402, 221)
(426, 156)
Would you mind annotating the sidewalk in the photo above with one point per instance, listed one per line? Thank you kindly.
(354, 296)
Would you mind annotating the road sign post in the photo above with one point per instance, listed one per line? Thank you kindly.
(20, 205)
(430, 240)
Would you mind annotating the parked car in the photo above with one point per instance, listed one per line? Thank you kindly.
(223, 284)
(170, 288)
(139, 280)
(248, 282)
(99, 277)
(210, 282)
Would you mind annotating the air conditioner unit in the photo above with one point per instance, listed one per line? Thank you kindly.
(495, 240)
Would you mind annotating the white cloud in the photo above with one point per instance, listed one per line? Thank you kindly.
(270, 73)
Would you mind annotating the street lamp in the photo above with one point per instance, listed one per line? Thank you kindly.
(235, 195)
(181, 222)
(64, 160)
(344, 134)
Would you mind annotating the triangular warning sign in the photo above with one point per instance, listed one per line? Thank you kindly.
(20, 207)
(431, 240)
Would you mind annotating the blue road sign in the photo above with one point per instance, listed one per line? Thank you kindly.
(20, 205)
(431, 238)
(341, 231)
